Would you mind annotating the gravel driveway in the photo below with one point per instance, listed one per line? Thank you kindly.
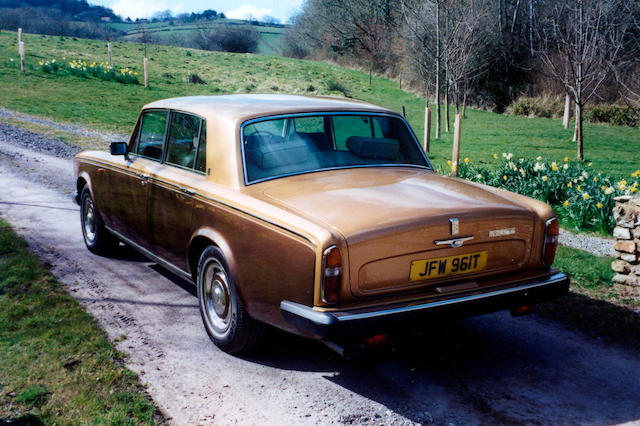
(488, 369)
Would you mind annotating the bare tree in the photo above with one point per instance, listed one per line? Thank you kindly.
(580, 41)
(465, 45)
(421, 31)
(627, 72)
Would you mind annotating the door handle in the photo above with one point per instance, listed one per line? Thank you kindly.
(186, 191)
(143, 178)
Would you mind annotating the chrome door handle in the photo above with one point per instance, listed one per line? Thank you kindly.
(186, 191)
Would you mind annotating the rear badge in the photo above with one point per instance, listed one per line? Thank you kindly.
(455, 228)
(502, 232)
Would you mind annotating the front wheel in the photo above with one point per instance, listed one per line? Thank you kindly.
(225, 319)
(96, 237)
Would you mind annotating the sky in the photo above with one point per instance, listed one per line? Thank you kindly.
(281, 9)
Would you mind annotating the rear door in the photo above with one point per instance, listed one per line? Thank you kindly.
(172, 186)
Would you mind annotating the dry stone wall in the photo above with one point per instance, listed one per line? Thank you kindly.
(627, 246)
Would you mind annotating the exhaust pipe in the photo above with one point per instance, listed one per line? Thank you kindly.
(346, 352)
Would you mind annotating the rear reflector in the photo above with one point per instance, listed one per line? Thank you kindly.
(551, 233)
(521, 310)
(331, 275)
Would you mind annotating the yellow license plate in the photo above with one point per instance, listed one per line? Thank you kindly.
(444, 266)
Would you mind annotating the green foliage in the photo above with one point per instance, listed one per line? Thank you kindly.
(57, 366)
(81, 68)
(582, 197)
(612, 114)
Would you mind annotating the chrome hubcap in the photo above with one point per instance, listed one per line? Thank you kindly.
(89, 220)
(217, 300)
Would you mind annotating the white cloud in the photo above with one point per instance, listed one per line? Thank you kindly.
(143, 8)
(247, 11)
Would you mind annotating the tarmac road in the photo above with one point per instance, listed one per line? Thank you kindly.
(488, 369)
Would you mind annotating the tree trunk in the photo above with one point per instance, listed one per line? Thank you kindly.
(575, 127)
(446, 106)
(567, 112)
(531, 28)
(438, 112)
(464, 102)
(579, 132)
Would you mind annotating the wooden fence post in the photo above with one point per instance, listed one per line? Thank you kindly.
(21, 51)
(19, 35)
(146, 73)
(455, 158)
(427, 127)
(567, 111)
(110, 55)
(404, 112)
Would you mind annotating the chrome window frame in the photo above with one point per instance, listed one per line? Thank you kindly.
(332, 113)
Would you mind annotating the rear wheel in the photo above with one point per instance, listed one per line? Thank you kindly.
(223, 314)
(96, 236)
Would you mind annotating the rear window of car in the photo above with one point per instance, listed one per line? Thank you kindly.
(300, 144)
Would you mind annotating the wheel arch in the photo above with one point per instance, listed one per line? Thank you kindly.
(203, 238)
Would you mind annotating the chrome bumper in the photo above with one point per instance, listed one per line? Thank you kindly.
(384, 319)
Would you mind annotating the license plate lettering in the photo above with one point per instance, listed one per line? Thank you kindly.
(445, 266)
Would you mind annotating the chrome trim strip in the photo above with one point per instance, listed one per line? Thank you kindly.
(557, 277)
(207, 198)
(150, 255)
(316, 113)
(330, 318)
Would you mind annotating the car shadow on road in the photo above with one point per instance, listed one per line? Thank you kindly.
(493, 368)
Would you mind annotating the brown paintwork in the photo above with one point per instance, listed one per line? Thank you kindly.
(273, 233)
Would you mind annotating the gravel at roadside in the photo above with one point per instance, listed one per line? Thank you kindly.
(70, 128)
(36, 142)
(599, 246)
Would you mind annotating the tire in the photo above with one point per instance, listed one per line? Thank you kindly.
(96, 237)
(227, 323)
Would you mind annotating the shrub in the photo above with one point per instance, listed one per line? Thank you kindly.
(546, 106)
(334, 85)
(227, 39)
(613, 114)
(195, 79)
(581, 196)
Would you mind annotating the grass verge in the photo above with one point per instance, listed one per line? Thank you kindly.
(74, 139)
(593, 306)
(57, 366)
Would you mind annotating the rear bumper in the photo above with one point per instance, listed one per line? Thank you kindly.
(383, 319)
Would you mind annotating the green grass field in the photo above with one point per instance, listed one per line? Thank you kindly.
(57, 366)
(113, 106)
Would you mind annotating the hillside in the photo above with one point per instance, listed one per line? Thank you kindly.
(113, 106)
(168, 32)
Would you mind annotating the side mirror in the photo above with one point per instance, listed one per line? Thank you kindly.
(118, 148)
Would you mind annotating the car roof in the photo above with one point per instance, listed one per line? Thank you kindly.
(240, 108)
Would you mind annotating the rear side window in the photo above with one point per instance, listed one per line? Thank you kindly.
(183, 139)
(151, 139)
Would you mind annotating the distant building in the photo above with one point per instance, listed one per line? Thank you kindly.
(105, 18)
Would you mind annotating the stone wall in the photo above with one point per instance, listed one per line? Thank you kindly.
(627, 246)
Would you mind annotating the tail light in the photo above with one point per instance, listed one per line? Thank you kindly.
(551, 232)
(331, 275)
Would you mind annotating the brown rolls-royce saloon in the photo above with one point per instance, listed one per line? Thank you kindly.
(320, 216)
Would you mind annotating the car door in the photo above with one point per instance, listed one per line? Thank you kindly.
(171, 188)
(129, 185)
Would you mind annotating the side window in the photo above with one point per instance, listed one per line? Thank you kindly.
(151, 139)
(202, 149)
(183, 139)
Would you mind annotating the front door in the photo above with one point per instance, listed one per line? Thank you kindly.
(130, 184)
